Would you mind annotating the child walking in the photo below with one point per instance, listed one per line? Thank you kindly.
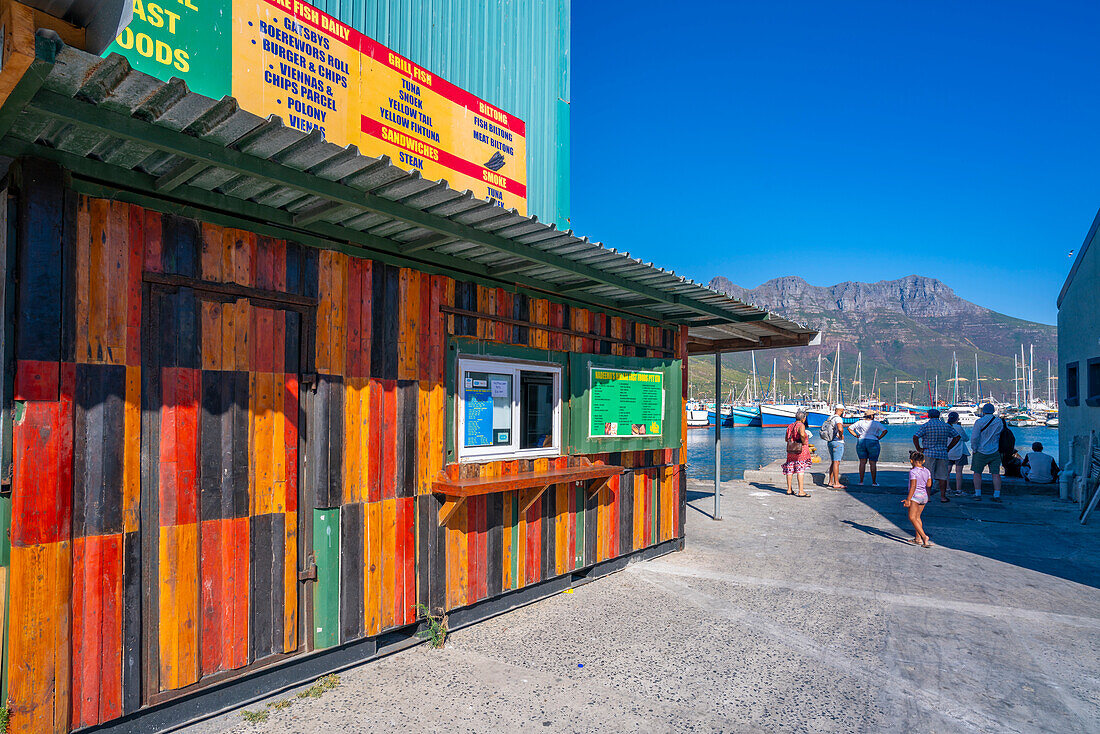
(920, 481)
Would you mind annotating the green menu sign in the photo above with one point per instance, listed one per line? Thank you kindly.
(625, 403)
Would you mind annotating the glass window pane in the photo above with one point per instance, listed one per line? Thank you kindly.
(536, 410)
(488, 409)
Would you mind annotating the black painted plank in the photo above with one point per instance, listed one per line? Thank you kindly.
(351, 572)
(278, 579)
(378, 319)
(520, 312)
(626, 512)
(39, 294)
(113, 391)
(292, 343)
(423, 550)
(437, 559)
(408, 416)
(591, 520)
(335, 432)
(392, 320)
(151, 338)
(494, 522)
(86, 414)
(188, 334)
(215, 388)
(260, 560)
(131, 622)
(68, 276)
(235, 452)
(293, 267)
(318, 445)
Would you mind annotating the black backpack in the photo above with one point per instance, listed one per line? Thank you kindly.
(1006, 444)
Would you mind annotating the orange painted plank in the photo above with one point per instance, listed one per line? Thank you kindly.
(561, 502)
(39, 645)
(423, 438)
(178, 605)
(372, 583)
(99, 280)
(117, 256)
(290, 583)
(211, 257)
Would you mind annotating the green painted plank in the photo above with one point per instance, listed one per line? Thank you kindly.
(326, 590)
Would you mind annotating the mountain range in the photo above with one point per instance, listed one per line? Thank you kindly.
(907, 329)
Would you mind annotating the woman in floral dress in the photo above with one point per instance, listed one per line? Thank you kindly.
(798, 461)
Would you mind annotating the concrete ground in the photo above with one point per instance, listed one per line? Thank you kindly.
(789, 615)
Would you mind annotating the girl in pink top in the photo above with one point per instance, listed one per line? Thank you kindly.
(920, 480)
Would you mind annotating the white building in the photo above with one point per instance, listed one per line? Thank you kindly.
(1079, 351)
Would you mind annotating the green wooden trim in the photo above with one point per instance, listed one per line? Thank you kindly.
(118, 125)
(466, 346)
(326, 590)
(579, 396)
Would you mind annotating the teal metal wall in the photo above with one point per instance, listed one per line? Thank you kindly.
(512, 53)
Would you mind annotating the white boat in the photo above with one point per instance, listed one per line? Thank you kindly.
(898, 418)
(696, 414)
(968, 413)
(1052, 422)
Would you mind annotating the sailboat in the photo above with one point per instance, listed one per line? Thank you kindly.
(776, 415)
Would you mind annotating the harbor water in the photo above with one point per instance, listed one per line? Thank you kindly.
(749, 448)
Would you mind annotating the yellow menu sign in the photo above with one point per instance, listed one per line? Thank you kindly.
(287, 58)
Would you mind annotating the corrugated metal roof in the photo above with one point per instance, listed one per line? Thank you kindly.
(189, 148)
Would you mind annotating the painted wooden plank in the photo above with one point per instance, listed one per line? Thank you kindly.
(400, 560)
(626, 513)
(351, 572)
(549, 537)
(591, 527)
(42, 456)
(289, 563)
(326, 590)
(39, 302)
(354, 311)
(389, 439)
(116, 261)
(376, 430)
(561, 526)
(132, 605)
(214, 596)
(389, 562)
(39, 646)
(97, 629)
(423, 551)
(99, 283)
(409, 531)
(373, 583)
(494, 551)
(178, 606)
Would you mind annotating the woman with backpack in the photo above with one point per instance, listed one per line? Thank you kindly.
(798, 453)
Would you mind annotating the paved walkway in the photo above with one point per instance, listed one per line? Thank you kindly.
(790, 615)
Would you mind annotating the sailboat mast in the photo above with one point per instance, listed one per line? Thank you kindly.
(977, 380)
(1031, 375)
(1015, 380)
(819, 378)
(755, 395)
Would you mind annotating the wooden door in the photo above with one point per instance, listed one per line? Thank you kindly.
(219, 485)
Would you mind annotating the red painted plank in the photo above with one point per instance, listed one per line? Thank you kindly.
(375, 430)
(482, 547)
(533, 568)
(355, 319)
(97, 629)
(42, 478)
(152, 232)
(214, 595)
(400, 560)
(424, 331)
(234, 564)
(35, 380)
(133, 281)
(179, 431)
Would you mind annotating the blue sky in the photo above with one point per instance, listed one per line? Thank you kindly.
(842, 141)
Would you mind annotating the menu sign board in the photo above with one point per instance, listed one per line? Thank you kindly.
(287, 58)
(625, 403)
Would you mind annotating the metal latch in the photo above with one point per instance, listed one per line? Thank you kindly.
(310, 572)
(310, 380)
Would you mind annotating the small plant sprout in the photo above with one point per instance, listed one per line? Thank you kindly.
(436, 630)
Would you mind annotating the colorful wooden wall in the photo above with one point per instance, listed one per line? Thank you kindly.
(197, 404)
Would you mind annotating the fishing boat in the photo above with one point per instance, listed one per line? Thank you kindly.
(1052, 421)
(778, 416)
(898, 418)
(817, 413)
(727, 418)
(745, 415)
(697, 414)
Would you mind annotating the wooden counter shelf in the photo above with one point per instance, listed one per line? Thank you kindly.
(531, 484)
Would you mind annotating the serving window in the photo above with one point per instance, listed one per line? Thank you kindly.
(508, 409)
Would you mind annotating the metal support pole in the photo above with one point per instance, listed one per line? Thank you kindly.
(718, 436)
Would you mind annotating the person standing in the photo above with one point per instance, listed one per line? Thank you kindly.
(957, 456)
(920, 481)
(798, 453)
(1039, 467)
(868, 432)
(935, 439)
(985, 440)
(832, 431)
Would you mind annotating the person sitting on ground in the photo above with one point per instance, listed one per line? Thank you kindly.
(938, 439)
(1038, 467)
(985, 442)
(868, 432)
(798, 452)
(832, 431)
(956, 457)
(1012, 465)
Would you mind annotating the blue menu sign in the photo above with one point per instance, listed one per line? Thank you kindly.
(479, 416)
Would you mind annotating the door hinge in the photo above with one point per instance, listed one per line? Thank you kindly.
(310, 572)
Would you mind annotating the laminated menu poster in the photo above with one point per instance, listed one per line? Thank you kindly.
(287, 58)
(625, 403)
